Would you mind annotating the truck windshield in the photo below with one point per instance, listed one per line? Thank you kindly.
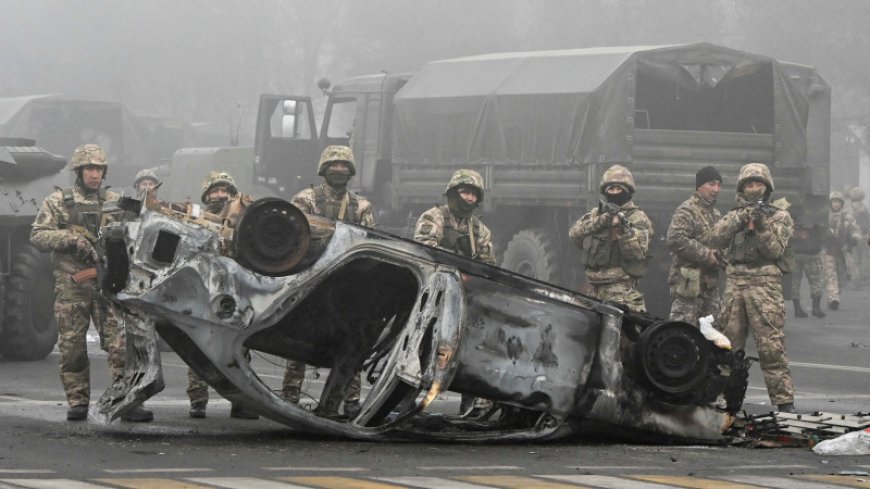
(341, 118)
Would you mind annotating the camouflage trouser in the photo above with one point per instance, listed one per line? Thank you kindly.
(811, 265)
(74, 308)
(294, 376)
(623, 291)
(835, 275)
(858, 261)
(689, 310)
(757, 304)
(197, 389)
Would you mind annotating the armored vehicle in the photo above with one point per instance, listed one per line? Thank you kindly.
(542, 127)
(28, 173)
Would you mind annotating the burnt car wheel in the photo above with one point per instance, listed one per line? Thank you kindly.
(674, 357)
(29, 326)
(272, 237)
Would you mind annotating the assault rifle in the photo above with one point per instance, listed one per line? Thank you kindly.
(758, 209)
(612, 210)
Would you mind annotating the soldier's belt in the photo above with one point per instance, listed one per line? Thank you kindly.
(84, 275)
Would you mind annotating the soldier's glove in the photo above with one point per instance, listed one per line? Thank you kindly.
(85, 250)
(605, 220)
(713, 259)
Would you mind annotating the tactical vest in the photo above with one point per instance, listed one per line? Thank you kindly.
(600, 250)
(330, 208)
(456, 240)
(743, 250)
(86, 215)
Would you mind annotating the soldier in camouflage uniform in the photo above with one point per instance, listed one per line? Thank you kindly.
(614, 239)
(334, 201)
(145, 180)
(67, 225)
(860, 255)
(455, 228)
(219, 193)
(756, 234)
(694, 275)
(806, 245)
(844, 234)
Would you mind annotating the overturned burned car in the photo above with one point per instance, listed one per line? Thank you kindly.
(415, 320)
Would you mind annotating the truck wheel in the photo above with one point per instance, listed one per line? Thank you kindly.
(29, 327)
(532, 253)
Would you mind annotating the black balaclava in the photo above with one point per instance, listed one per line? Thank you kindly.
(458, 205)
(619, 199)
(337, 179)
(215, 206)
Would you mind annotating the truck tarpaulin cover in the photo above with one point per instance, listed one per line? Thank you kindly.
(583, 105)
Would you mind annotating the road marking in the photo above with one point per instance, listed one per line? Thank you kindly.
(842, 480)
(780, 482)
(52, 484)
(152, 483)
(692, 482)
(157, 470)
(244, 483)
(340, 483)
(516, 482)
(470, 467)
(26, 471)
(431, 483)
(612, 467)
(606, 481)
(318, 469)
(763, 467)
(825, 366)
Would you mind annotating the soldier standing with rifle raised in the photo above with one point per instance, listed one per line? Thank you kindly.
(843, 236)
(614, 239)
(756, 234)
(67, 225)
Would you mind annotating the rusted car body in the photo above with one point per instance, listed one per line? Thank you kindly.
(417, 321)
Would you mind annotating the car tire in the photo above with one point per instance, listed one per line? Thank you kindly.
(29, 325)
(531, 252)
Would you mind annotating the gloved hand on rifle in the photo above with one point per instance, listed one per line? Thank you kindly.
(85, 250)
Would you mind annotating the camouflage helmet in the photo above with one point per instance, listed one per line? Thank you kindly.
(617, 174)
(88, 155)
(217, 178)
(856, 194)
(837, 195)
(336, 153)
(468, 178)
(145, 174)
(755, 171)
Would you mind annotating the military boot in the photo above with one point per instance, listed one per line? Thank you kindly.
(292, 394)
(197, 409)
(77, 413)
(138, 415)
(798, 310)
(834, 305)
(786, 408)
(817, 307)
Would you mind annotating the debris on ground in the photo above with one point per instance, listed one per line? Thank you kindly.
(781, 430)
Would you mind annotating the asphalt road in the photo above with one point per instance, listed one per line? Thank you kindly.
(38, 448)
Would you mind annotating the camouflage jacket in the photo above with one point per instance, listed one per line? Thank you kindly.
(689, 239)
(861, 214)
(361, 214)
(773, 232)
(51, 231)
(431, 226)
(632, 246)
(844, 230)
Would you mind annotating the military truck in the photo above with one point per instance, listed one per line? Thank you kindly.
(28, 173)
(542, 127)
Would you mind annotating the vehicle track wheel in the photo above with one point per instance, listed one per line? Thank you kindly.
(531, 252)
(29, 326)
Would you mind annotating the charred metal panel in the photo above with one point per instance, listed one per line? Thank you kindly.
(415, 322)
